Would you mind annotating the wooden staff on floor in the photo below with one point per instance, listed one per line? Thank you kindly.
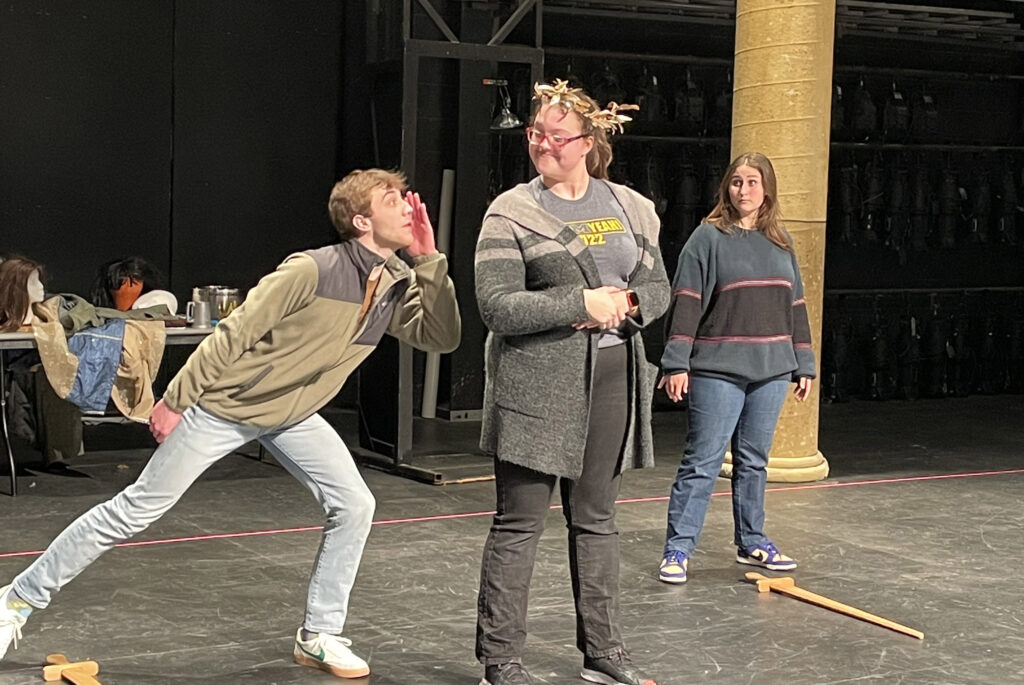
(77, 673)
(787, 586)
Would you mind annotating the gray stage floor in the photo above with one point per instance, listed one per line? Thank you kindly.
(920, 522)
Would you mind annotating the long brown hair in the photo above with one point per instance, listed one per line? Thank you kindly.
(724, 216)
(14, 275)
(600, 156)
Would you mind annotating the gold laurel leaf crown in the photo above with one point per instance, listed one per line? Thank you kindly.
(570, 99)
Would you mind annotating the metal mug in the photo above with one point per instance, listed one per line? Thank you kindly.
(197, 314)
(223, 301)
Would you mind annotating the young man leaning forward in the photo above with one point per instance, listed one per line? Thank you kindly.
(262, 375)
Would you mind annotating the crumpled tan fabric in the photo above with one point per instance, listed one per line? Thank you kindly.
(141, 351)
(60, 365)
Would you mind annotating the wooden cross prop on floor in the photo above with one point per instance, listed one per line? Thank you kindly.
(78, 673)
(787, 586)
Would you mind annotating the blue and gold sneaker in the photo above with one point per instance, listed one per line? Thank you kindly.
(673, 567)
(13, 614)
(329, 653)
(766, 555)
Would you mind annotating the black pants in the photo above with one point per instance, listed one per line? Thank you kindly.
(588, 504)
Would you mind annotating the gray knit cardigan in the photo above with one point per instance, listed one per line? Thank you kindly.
(531, 270)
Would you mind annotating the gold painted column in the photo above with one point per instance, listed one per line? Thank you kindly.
(781, 106)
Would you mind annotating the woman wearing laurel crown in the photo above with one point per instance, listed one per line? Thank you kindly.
(568, 272)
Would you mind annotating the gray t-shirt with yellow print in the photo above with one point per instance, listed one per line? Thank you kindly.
(598, 219)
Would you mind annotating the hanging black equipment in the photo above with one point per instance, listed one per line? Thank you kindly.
(650, 177)
(849, 203)
(712, 180)
(991, 376)
(937, 352)
(961, 373)
(720, 118)
(949, 209)
(908, 356)
(1007, 225)
(690, 107)
(864, 117)
(607, 87)
(924, 118)
(689, 199)
(837, 127)
(981, 208)
(653, 109)
(1015, 355)
(880, 377)
(574, 78)
(895, 116)
(683, 216)
(837, 342)
(874, 203)
(897, 223)
(921, 203)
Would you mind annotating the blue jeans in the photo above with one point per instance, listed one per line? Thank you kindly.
(722, 412)
(310, 450)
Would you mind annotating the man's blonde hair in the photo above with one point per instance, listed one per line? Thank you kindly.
(351, 197)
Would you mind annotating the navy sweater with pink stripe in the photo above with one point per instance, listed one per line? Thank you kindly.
(737, 310)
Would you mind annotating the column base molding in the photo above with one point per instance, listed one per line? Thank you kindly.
(788, 469)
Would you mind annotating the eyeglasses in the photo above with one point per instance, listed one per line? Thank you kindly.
(537, 137)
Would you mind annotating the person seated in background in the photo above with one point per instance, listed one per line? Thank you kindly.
(120, 282)
(119, 350)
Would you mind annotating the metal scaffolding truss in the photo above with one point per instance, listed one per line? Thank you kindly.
(494, 50)
(397, 447)
(999, 29)
(960, 25)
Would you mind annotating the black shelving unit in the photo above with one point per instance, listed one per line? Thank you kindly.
(924, 289)
(960, 56)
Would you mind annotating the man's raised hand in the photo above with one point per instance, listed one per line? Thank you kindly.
(422, 231)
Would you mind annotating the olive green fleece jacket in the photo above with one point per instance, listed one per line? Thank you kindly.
(288, 349)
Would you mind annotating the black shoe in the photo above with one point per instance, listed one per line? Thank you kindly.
(616, 669)
(508, 673)
(61, 468)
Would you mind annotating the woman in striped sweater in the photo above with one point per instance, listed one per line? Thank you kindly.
(737, 337)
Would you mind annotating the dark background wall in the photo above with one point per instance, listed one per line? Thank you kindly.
(85, 133)
(205, 136)
(200, 135)
(256, 95)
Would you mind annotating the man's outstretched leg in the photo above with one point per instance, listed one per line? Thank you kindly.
(200, 440)
(314, 453)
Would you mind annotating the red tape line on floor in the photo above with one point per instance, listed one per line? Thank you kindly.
(477, 514)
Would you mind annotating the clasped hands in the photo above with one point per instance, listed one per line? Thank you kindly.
(607, 307)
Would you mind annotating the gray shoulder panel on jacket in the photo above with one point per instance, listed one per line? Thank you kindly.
(342, 271)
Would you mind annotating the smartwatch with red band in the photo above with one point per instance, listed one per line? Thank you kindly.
(634, 302)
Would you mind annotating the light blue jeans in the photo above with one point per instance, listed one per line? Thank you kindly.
(310, 450)
(722, 412)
